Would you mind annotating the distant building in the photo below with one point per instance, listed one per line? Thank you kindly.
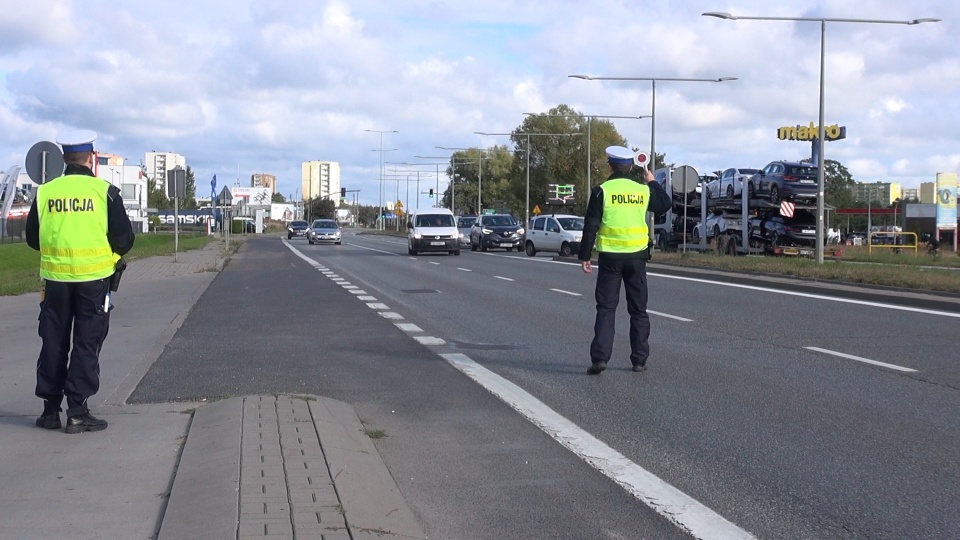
(910, 194)
(156, 164)
(264, 180)
(103, 158)
(928, 192)
(879, 193)
(321, 179)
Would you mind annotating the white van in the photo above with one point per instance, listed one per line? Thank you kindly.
(433, 229)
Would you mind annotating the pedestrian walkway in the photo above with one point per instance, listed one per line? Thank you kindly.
(289, 467)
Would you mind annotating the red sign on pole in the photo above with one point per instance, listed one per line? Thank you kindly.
(786, 208)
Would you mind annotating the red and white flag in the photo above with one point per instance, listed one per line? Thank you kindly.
(786, 208)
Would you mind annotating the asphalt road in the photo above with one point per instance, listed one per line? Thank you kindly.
(791, 415)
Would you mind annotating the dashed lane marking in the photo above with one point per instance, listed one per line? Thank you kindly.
(504, 278)
(561, 291)
(667, 315)
(408, 327)
(862, 359)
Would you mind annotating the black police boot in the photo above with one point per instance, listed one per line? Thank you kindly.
(637, 368)
(49, 420)
(596, 368)
(85, 422)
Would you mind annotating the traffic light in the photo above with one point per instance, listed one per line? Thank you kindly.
(431, 193)
(343, 193)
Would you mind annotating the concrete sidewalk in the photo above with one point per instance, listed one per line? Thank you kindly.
(246, 467)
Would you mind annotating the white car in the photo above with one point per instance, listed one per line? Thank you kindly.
(561, 233)
(730, 183)
(716, 225)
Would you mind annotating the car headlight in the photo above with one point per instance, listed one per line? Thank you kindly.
(520, 230)
(417, 235)
(486, 231)
(337, 234)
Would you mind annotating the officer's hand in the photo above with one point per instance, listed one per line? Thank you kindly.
(587, 267)
(647, 175)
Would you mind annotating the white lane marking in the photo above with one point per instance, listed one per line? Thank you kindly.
(408, 327)
(815, 296)
(367, 298)
(465, 269)
(296, 252)
(390, 315)
(429, 340)
(861, 359)
(377, 306)
(667, 315)
(666, 500)
(338, 278)
(561, 291)
(504, 278)
(358, 291)
(432, 262)
(371, 249)
(348, 286)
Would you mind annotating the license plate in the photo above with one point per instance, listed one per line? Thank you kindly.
(807, 182)
(506, 243)
(809, 231)
(436, 243)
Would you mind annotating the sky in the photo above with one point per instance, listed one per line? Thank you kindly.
(242, 87)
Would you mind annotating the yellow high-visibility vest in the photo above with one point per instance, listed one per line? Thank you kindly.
(73, 229)
(623, 227)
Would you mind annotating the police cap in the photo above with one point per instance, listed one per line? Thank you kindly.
(619, 155)
(77, 141)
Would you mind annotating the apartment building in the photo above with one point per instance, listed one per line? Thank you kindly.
(156, 164)
(321, 179)
(880, 193)
(264, 180)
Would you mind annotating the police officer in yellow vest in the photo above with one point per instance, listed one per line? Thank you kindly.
(616, 221)
(79, 225)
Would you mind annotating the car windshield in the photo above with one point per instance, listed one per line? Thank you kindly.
(799, 170)
(466, 222)
(435, 220)
(324, 224)
(298, 224)
(571, 223)
(500, 221)
(749, 171)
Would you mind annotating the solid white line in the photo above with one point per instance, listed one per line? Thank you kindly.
(429, 340)
(504, 278)
(408, 327)
(377, 306)
(566, 292)
(861, 359)
(465, 269)
(666, 500)
(814, 296)
(371, 249)
(668, 316)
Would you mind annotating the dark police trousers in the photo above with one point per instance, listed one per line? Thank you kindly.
(633, 274)
(76, 307)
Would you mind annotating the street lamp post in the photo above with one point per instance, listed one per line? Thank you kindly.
(526, 208)
(381, 132)
(452, 207)
(820, 128)
(653, 109)
(589, 118)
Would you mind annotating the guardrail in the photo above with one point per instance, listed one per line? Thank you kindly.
(896, 245)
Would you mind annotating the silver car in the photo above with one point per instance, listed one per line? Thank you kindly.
(464, 223)
(324, 231)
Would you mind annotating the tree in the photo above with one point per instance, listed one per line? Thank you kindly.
(320, 209)
(838, 185)
(157, 195)
(466, 177)
(189, 200)
(278, 198)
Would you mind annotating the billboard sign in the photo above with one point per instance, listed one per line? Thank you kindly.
(946, 200)
(260, 196)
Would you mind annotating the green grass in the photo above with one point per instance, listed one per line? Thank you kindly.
(20, 265)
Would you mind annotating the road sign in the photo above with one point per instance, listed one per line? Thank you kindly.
(786, 208)
(176, 183)
(44, 162)
(536, 210)
(398, 205)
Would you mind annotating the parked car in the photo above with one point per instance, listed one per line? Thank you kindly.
(496, 231)
(715, 226)
(785, 179)
(730, 183)
(464, 223)
(433, 229)
(557, 232)
(324, 231)
(778, 230)
(297, 228)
